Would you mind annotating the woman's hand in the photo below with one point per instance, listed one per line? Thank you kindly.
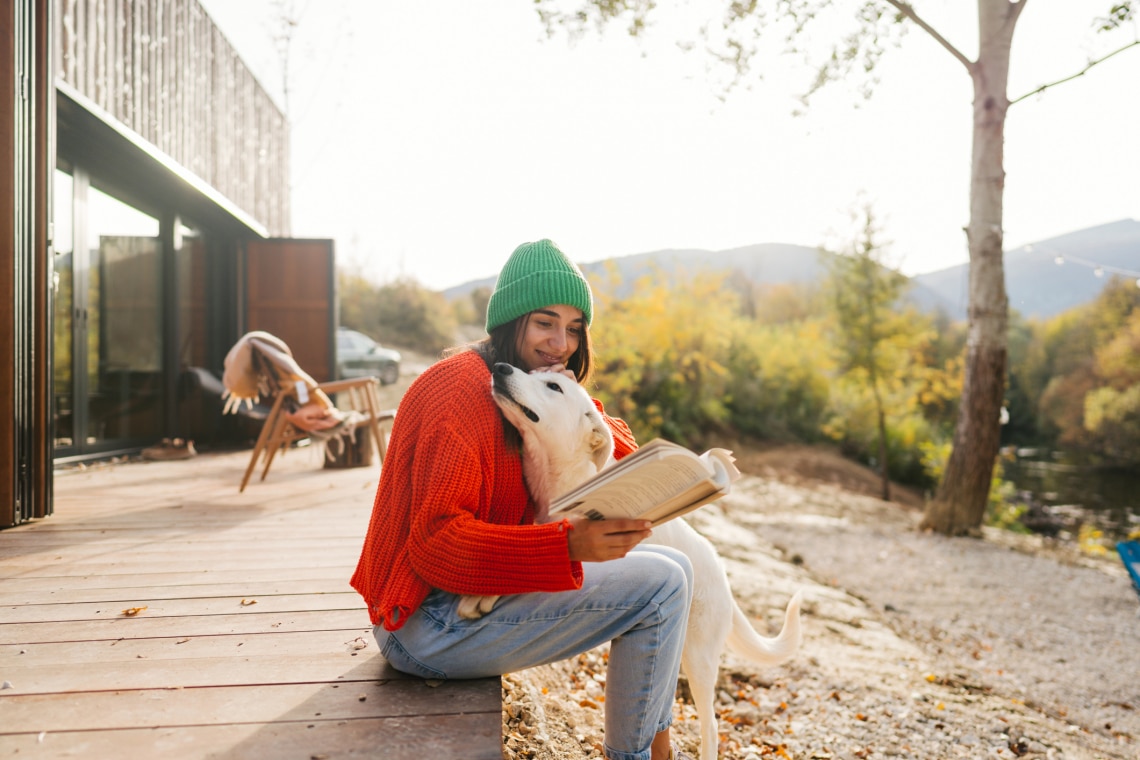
(601, 540)
(557, 368)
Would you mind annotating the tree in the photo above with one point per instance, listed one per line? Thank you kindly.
(1112, 411)
(401, 312)
(959, 505)
(410, 315)
(662, 356)
(864, 293)
(1087, 381)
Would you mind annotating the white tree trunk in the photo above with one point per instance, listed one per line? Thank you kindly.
(960, 503)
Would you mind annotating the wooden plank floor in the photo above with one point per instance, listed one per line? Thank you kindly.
(251, 643)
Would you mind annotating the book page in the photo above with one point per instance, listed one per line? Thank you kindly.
(663, 482)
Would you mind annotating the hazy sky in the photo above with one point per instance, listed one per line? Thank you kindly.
(430, 138)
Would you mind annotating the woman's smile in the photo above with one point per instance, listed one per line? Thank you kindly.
(551, 336)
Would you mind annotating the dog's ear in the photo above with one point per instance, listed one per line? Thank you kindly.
(601, 446)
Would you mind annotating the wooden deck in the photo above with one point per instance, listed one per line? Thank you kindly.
(251, 643)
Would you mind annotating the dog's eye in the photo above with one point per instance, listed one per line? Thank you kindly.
(554, 387)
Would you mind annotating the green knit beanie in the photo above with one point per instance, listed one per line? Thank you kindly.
(537, 275)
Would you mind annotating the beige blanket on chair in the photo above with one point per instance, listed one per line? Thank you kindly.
(261, 365)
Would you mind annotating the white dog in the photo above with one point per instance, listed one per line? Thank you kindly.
(565, 441)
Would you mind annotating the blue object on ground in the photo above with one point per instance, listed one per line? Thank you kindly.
(1130, 555)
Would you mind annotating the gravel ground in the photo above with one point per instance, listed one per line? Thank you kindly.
(916, 646)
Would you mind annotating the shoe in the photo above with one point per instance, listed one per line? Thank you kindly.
(170, 450)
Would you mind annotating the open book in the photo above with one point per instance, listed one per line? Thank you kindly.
(658, 482)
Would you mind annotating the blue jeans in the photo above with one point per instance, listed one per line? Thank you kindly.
(639, 603)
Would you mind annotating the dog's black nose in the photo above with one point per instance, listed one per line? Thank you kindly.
(502, 368)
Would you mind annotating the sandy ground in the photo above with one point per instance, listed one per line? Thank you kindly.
(916, 646)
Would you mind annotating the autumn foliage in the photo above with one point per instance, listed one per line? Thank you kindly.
(697, 358)
(1075, 379)
(705, 358)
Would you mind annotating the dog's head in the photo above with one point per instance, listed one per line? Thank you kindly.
(553, 414)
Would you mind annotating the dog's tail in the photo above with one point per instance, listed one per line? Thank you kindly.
(745, 642)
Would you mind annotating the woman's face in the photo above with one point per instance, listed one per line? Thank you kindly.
(550, 336)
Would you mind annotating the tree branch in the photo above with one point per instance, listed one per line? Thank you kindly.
(1071, 77)
(907, 10)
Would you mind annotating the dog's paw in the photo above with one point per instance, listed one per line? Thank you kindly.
(475, 607)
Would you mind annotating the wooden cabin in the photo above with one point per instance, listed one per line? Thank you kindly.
(149, 231)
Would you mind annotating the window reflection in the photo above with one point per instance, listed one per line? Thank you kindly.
(124, 320)
(63, 215)
(190, 260)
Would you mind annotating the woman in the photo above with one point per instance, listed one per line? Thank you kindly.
(452, 517)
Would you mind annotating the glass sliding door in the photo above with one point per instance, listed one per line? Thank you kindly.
(124, 322)
(112, 365)
(191, 273)
(63, 322)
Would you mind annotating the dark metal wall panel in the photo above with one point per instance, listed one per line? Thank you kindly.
(24, 467)
(291, 292)
(9, 139)
(41, 379)
(165, 71)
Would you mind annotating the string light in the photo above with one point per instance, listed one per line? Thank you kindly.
(1098, 269)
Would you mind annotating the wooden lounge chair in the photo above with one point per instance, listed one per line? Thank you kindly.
(280, 431)
(260, 365)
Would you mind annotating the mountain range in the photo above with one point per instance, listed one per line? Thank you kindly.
(1042, 279)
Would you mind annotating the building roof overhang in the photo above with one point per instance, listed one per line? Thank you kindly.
(137, 168)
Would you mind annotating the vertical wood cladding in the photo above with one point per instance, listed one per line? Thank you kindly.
(163, 69)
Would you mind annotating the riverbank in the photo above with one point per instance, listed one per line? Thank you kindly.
(916, 646)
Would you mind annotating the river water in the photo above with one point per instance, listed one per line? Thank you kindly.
(1108, 497)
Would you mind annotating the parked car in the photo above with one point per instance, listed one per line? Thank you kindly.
(357, 355)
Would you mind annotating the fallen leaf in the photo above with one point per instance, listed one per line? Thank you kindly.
(132, 611)
(247, 602)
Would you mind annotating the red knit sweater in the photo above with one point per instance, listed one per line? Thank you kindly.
(451, 509)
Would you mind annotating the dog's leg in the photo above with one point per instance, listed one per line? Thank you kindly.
(710, 619)
(475, 607)
(701, 665)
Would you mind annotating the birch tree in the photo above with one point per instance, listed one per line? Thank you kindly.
(865, 293)
(959, 504)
